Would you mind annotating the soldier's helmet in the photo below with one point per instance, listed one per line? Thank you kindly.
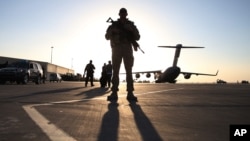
(123, 10)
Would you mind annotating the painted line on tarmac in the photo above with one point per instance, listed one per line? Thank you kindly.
(160, 91)
(51, 130)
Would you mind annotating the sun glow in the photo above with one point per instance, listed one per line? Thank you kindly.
(76, 31)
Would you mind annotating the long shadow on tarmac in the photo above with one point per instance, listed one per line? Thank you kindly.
(55, 91)
(146, 128)
(110, 124)
(91, 93)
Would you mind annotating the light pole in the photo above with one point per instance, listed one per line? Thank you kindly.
(71, 63)
(51, 54)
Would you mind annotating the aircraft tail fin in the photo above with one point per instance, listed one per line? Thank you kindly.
(178, 48)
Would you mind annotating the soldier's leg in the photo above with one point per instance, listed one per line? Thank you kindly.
(129, 78)
(86, 80)
(129, 62)
(116, 59)
(109, 80)
(91, 79)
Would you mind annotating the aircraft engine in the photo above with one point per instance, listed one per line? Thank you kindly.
(148, 75)
(187, 76)
(137, 75)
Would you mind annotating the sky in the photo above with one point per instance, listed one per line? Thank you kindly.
(76, 29)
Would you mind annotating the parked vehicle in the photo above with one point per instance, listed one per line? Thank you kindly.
(244, 82)
(22, 72)
(219, 81)
(4, 65)
(55, 77)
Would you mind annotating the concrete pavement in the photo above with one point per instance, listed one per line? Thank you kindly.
(169, 112)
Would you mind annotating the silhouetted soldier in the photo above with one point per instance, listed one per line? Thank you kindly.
(121, 34)
(90, 73)
(103, 79)
(109, 73)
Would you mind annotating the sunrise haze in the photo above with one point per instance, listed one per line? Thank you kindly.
(76, 29)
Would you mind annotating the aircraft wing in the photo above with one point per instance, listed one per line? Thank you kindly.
(154, 71)
(190, 73)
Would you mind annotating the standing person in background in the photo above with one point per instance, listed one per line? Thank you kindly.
(121, 35)
(90, 73)
(109, 73)
(103, 79)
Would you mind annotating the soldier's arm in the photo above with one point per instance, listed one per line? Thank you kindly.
(132, 28)
(85, 68)
(136, 33)
(108, 33)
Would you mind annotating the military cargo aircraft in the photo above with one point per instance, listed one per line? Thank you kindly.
(171, 73)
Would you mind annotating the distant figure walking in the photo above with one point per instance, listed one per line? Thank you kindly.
(90, 73)
(103, 79)
(109, 73)
(122, 33)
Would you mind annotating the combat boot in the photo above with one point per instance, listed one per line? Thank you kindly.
(130, 96)
(112, 96)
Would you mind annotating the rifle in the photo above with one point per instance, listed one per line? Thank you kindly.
(133, 42)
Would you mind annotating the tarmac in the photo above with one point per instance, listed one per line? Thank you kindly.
(68, 111)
